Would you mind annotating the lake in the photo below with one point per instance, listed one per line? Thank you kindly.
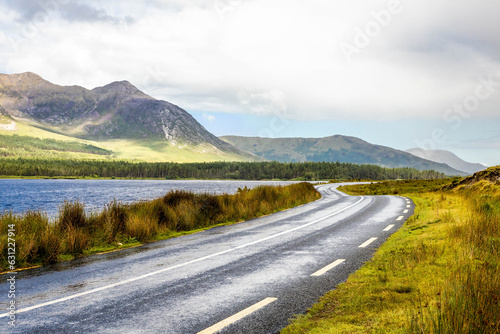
(47, 195)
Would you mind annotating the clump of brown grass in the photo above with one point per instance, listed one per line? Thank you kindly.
(116, 218)
(141, 227)
(72, 215)
(76, 240)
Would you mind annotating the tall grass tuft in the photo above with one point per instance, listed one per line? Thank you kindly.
(72, 215)
(141, 227)
(49, 246)
(76, 240)
(116, 220)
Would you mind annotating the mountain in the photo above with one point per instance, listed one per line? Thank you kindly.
(115, 111)
(333, 149)
(448, 158)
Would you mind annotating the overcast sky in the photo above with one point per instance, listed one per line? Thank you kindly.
(397, 73)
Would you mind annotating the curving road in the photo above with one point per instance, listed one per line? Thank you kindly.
(245, 278)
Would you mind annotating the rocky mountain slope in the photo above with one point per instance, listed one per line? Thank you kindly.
(115, 111)
(334, 148)
(448, 158)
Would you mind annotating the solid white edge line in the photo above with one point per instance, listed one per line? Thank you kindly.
(367, 242)
(400, 217)
(238, 316)
(388, 227)
(181, 264)
(328, 267)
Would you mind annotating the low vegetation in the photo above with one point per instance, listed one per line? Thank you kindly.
(123, 149)
(25, 146)
(440, 273)
(40, 240)
(209, 170)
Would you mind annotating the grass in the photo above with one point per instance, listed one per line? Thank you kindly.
(440, 273)
(46, 144)
(76, 233)
(159, 151)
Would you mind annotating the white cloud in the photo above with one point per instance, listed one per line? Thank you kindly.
(208, 117)
(264, 57)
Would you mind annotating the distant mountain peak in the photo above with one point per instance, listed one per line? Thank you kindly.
(27, 76)
(22, 79)
(447, 157)
(122, 88)
(124, 84)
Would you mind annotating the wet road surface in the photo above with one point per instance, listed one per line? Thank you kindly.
(250, 277)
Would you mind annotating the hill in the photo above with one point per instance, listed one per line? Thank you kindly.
(487, 177)
(448, 158)
(333, 149)
(117, 116)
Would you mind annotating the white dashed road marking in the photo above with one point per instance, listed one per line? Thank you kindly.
(240, 315)
(367, 242)
(328, 267)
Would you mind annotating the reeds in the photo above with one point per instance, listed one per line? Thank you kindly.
(470, 298)
(76, 232)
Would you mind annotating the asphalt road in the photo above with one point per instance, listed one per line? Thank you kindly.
(250, 277)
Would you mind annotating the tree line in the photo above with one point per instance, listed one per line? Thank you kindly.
(208, 170)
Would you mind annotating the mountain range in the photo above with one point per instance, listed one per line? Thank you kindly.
(129, 124)
(334, 148)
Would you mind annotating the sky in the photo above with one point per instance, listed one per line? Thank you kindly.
(397, 73)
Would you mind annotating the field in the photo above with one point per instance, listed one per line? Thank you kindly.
(440, 273)
(76, 233)
(64, 147)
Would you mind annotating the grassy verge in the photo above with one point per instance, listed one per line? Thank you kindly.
(440, 273)
(75, 233)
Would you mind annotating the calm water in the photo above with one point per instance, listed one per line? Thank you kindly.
(47, 195)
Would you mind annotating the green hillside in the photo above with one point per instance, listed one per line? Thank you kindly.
(333, 149)
(20, 138)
